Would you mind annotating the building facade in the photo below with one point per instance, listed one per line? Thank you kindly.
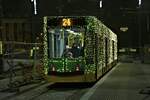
(16, 29)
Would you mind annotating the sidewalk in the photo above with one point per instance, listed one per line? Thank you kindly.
(127, 81)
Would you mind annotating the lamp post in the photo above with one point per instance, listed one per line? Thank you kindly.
(34, 39)
(139, 27)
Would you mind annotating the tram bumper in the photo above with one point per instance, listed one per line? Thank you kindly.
(71, 77)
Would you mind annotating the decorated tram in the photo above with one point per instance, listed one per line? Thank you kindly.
(77, 48)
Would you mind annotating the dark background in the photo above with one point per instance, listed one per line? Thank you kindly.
(114, 14)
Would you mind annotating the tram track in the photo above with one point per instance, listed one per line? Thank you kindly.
(27, 91)
(63, 91)
(50, 91)
(77, 94)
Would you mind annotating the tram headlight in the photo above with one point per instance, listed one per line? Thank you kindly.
(77, 67)
(53, 67)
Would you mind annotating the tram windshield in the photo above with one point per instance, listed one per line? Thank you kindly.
(66, 42)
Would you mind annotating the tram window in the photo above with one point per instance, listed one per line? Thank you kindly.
(65, 42)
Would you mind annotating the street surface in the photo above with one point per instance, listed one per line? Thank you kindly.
(126, 81)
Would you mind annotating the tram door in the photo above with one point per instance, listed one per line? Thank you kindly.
(113, 48)
(106, 54)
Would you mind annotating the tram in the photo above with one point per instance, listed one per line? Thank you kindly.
(77, 48)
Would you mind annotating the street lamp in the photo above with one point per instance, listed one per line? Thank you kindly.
(35, 6)
(139, 2)
(123, 29)
(139, 26)
(100, 3)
